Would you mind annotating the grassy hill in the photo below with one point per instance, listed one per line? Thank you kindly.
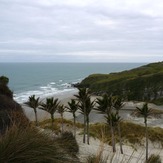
(142, 83)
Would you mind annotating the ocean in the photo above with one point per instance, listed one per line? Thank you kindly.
(46, 79)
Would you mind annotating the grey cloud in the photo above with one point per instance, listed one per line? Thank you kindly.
(56, 29)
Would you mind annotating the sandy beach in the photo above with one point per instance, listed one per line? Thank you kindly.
(130, 154)
(94, 116)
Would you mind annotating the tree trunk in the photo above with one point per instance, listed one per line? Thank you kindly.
(52, 118)
(112, 135)
(120, 138)
(74, 125)
(146, 136)
(84, 128)
(36, 120)
(62, 122)
(87, 130)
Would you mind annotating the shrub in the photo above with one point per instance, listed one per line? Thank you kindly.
(4, 90)
(95, 159)
(154, 159)
(4, 80)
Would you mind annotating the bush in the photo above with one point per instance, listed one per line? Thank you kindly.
(154, 159)
(4, 80)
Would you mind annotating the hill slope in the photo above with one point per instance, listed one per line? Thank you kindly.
(142, 83)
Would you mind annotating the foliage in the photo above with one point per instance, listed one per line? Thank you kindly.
(70, 144)
(143, 83)
(154, 159)
(34, 104)
(85, 103)
(28, 145)
(158, 101)
(4, 80)
(96, 158)
(72, 108)
(132, 133)
(51, 105)
(4, 90)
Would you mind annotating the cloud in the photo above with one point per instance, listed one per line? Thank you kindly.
(70, 30)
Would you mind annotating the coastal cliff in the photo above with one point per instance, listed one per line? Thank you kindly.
(142, 83)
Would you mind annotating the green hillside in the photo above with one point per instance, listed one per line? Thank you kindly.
(142, 83)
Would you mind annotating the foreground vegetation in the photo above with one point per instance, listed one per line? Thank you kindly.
(21, 141)
(143, 83)
(29, 145)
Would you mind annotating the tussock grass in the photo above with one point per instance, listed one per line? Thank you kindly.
(158, 101)
(57, 122)
(70, 144)
(154, 159)
(29, 145)
(99, 157)
(132, 133)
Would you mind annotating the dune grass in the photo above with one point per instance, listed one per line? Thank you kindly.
(132, 133)
(46, 124)
(29, 145)
(154, 159)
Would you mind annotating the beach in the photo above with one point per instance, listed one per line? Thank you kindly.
(134, 155)
(125, 112)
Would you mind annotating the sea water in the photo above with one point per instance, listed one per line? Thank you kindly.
(46, 79)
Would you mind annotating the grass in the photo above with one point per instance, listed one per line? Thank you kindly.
(154, 159)
(70, 144)
(46, 124)
(28, 145)
(132, 133)
(158, 101)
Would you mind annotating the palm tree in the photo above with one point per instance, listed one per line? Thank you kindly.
(89, 105)
(61, 110)
(72, 108)
(51, 105)
(145, 112)
(33, 103)
(113, 120)
(105, 105)
(82, 96)
(118, 104)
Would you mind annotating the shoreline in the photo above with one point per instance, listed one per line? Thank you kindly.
(94, 116)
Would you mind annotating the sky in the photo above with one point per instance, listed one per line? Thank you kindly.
(81, 30)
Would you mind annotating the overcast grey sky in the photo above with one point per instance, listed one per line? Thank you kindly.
(81, 30)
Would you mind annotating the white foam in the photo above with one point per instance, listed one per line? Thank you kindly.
(44, 91)
(66, 85)
(52, 83)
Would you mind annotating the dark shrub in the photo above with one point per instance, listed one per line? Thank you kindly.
(154, 159)
(4, 90)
